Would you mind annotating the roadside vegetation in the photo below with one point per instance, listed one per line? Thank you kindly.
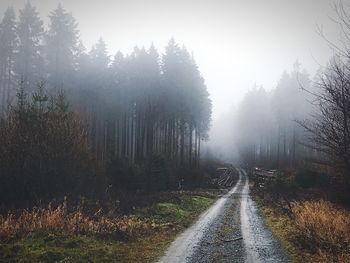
(100, 155)
(87, 123)
(303, 209)
(300, 130)
(83, 233)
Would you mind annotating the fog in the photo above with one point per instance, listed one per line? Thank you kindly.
(236, 44)
(122, 122)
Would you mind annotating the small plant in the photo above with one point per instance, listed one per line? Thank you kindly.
(75, 222)
(280, 188)
(321, 227)
(44, 150)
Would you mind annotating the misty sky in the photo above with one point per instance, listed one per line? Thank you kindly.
(236, 42)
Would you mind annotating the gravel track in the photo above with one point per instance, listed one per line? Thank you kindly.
(229, 231)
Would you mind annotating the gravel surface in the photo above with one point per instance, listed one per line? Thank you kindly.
(260, 244)
(230, 231)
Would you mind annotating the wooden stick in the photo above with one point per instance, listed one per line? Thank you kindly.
(231, 240)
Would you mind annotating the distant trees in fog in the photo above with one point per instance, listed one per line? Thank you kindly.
(8, 43)
(29, 61)
(330, 129)
(266, 128)
(301, 119)
(160, 106)
(142, 110)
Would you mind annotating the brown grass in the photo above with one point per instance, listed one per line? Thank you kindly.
(60, 220)
(323, 229)
(325, 257)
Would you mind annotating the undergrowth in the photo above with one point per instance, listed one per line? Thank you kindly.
(310, 228)
(323, 229)
(52, 220)
(62, 234)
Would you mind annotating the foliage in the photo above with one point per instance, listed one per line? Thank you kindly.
(153, 174)
(141, 237)
(311, 177)
(280, 186)
(308, 227)
(179, 213)
(137, 105)
(146, 114)
(321, 225)
(61, 46)
(44, 150)
(328, 131)
(287, 184)
(266, 130)
(29, 56)
(315, 231)
(281, 226)
(60, 220)
(8, 44)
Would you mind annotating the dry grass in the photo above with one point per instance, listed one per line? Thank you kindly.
(325, 257)
(61, 234)
(60, 220)
(323, 229)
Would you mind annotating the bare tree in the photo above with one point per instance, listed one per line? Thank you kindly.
(329, 130)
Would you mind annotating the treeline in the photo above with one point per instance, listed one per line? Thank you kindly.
(302, 119)
(266, 128)
(150, 106)
(143, 115)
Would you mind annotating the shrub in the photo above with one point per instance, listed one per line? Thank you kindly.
(321, 226)
(309, 177)
(44, 151)
(280, 186)
(152, 174)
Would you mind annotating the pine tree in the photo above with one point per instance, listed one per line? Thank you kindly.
(82, 66)
(61, 47)
(99, 55)
(29, 61)
(8, 43)
(188, 106)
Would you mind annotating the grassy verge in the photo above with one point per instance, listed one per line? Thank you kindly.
(141, 237)
(281, 225)
(309, 228)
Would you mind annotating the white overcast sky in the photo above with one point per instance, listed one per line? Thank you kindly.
(236, 42)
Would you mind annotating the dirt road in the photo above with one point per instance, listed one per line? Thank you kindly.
(229, 231)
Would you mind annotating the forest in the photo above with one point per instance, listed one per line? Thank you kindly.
(269, 134)
(298, 131)
(301, 120)
(72, 118)
(165, 152)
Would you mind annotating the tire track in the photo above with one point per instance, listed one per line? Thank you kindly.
(233, 215)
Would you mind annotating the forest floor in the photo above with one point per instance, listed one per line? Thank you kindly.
(165, 220)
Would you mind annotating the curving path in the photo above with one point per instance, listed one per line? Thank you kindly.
(231, 230)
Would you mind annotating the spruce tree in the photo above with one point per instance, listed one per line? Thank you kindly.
(8, 43)
(29, 61)
(61, 47)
